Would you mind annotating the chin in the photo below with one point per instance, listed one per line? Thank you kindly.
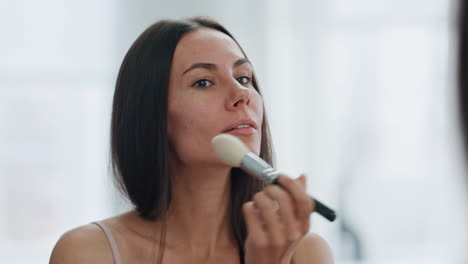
(255, 147)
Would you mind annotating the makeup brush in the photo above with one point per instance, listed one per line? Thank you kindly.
(232, 151)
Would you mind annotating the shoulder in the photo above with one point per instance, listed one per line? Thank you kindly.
(85, 244)
(313, 249)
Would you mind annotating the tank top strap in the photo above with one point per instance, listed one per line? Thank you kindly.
(111, 240)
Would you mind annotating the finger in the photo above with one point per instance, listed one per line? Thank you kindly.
(269, 217)
(286, 209)
(304, 204)
(254, 223)
(303, 180)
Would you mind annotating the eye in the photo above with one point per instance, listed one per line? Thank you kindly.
(243, 80)
(202, 83)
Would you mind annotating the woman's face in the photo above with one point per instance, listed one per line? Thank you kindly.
(210, 92)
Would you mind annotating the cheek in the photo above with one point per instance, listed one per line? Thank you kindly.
(190, 130)
(256, 112)
(187, 122)
(257, 105)
(192, 111)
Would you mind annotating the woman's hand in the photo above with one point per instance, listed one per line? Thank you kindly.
(277, 219)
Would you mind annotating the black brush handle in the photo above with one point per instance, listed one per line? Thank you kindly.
(324, 210)
(320, 208)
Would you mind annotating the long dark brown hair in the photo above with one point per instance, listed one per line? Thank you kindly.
(139, 140)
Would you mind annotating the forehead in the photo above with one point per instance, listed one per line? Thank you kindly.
(206, 45)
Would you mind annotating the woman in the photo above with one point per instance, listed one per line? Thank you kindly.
(181, 83)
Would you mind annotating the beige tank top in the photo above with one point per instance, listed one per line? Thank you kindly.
(111, 239)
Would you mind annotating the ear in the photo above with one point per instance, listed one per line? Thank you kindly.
(303, 180)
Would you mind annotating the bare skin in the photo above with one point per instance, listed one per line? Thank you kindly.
(203, 101)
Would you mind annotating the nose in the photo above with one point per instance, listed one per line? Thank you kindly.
(240, 97)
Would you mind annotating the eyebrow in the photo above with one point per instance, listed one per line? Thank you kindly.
(211, 66)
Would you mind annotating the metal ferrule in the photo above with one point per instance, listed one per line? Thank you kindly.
(256, 166)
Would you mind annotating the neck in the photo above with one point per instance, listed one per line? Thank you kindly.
(199, 215)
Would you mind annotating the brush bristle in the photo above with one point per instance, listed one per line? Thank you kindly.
(229, 149)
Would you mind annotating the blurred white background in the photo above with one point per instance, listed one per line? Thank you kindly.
(360, 96)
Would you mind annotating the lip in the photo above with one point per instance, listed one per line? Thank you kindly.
(241, 131)
(245, 131)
